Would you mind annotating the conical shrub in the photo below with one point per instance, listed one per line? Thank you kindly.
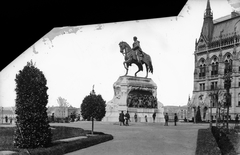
(33, 129)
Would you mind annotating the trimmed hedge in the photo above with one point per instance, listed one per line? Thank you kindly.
(223, 141)
(206, 143)
(59, 132)
(60, 148)
(57, 147)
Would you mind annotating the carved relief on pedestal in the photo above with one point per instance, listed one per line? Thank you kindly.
(126, 87)
(136, 95)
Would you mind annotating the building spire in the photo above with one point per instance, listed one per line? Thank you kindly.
(207, 28)
(208, 12)
(196, 44)
(208, 5)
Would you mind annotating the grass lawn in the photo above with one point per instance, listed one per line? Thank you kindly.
(57, 147)
(227, 142)
(206, 143)
(59, 132)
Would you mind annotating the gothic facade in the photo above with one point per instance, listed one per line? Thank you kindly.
(217, 49)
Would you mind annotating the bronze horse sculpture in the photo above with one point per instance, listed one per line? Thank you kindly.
(131, 58)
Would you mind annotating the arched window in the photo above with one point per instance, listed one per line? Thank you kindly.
(202, 68)
(228, 99)
(228, 64)
(214, 67)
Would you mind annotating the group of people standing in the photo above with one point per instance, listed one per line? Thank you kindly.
(166, 117)
(124, 118)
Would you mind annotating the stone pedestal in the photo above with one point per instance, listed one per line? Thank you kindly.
(128, 84)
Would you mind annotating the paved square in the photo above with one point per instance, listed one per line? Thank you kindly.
(143, 138)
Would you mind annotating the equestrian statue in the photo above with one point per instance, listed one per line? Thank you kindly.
(136, 56)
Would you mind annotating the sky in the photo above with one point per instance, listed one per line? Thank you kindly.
(75, 58)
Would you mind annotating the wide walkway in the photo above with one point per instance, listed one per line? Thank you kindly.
(142, 139)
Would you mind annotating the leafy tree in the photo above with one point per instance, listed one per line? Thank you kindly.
(33, 128)
(62, 102)
(93, 107)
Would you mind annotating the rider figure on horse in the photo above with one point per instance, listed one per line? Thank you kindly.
(137, 49)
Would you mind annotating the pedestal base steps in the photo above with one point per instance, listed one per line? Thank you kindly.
(113, 116)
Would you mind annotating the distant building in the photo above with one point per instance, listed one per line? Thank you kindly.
(8, 112)
(181, 111)
(216, 50)
(62, 112)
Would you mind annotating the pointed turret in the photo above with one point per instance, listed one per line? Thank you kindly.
(208, 12)
(207, 28)
(189, 101)
(196, 44)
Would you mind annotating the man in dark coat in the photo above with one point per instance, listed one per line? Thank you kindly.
(135, 117)
(127, 117)
(154, 116)
(121, 118)
(166, 119)
(175, 119)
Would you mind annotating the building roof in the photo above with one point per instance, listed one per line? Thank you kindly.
(7, 112)
(221, 19)
(226, 27)
(175, 107)
(214, 30)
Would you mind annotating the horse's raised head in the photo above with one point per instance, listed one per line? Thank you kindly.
(121, 45)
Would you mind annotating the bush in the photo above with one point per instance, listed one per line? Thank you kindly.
(206, 143)
(93, 106)
(223, 141)
(33, 128)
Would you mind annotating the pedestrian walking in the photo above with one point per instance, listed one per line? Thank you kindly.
(154, 116)
(175, 119)
(121, 118)
(52, 117)
(135, 117)
(236, 120)
(127, 117)
(6, 119)
(146, 118)
(166, 119)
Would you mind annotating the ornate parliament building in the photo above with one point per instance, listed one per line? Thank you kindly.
(217, 49)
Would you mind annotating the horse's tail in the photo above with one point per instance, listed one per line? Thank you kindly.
(150, 65)
(147, 60)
